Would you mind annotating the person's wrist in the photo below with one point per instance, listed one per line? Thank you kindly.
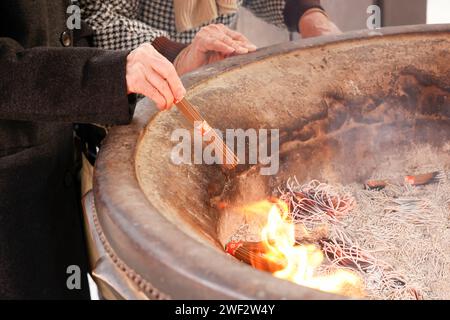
(180, 61)
(314, 11)
(168, 48)
(311, 15)
(315, 23)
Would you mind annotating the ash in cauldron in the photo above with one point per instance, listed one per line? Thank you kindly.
(351, 110)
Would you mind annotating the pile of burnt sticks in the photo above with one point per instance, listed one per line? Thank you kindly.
(317, 210)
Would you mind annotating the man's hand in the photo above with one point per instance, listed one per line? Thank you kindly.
(151, 74)
(212, 43)
(315, 22)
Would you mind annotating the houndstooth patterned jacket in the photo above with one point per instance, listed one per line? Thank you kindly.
(125, 24)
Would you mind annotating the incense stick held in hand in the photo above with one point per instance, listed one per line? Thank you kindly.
(229, 159)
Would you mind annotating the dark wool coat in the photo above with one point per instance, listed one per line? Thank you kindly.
(45, 86)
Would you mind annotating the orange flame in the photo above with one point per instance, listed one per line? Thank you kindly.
(301, 262)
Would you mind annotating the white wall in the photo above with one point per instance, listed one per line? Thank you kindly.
(348, 14)
(438, 11)
(404, 12)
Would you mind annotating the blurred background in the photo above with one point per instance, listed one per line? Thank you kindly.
(352, 15)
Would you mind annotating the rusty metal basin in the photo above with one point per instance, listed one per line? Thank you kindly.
(152, 220)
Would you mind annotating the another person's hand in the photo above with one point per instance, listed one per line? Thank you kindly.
(151, 74)
(212, 43)
(315, 22)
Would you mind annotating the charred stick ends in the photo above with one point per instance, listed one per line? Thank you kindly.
(375, 184)
(353, 257)
(416, 180)
(230, 160)
(304, 236)
(315, 200)
(254, 254)
(421, 179)
(346, 256)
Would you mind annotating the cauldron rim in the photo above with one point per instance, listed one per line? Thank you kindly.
(153, 250)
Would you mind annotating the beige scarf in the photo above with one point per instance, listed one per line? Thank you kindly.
(190, 14)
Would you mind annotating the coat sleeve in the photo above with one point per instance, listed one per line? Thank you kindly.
(63, 84)
(116, 27)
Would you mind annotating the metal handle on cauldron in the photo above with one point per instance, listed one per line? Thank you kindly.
(191, 113)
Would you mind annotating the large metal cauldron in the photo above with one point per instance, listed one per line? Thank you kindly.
(152, 231)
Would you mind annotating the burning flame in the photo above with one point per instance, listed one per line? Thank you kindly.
(300, 263)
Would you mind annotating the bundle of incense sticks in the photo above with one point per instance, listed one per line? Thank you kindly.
(229, 159)
(253, 253)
